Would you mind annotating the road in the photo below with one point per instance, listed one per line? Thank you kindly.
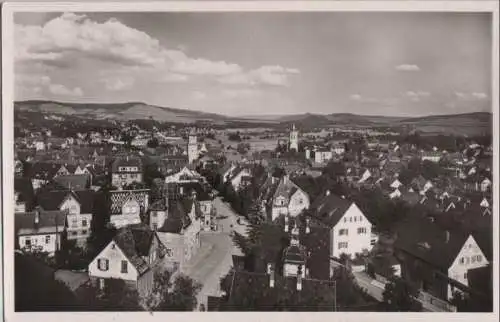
(214, 260)
(374, 288)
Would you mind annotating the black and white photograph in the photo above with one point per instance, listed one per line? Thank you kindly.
(249, 159)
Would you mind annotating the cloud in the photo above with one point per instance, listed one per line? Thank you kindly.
(61, 90)
(417, 95)
(408, 68)
(118, 83)
(175, 78)
(240, 93)
(198, 95)
(355, 97)
(474, 96)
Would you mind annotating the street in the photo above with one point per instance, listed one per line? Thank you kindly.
(374, 288)
(214, 260)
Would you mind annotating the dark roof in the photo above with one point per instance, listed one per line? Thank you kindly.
(51, 200)
(330, 208)
(73, 181)
(135, 242)
(426, 240)
(120, 197)
(48, 220)
(43, 170)
(177, 218)
(24, 187)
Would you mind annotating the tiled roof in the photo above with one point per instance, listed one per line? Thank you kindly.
(73, 181)
(330, 208)
(135, 243)
(48, 221)
(120, 197)
(52, 200)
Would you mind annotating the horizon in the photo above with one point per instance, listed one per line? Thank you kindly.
(240, 64)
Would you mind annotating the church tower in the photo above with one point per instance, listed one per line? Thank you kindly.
(192, 147)
(294, 139)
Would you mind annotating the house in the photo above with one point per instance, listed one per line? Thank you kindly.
(240, 177)
(396, 184)
(283, 197)
(323, 155)
(180, 232)
(127, 206)
(433, 156)
(41, 173)
(485, 185)
(395, 194)
(184, 175)
(226, 171)
(73, 181)
(350, 230)
(130, 256)
(437, 259)
(79, 208)
(126, 170)
(39, 231)
(338, 148)
(24, 195)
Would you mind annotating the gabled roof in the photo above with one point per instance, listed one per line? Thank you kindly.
(120, 197)
(73, 181)
(48, 221)
(135, 242)
(52, 200)
(330, 208)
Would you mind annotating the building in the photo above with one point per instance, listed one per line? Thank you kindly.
(433, 156)
(294, 139)
(179, 233)
(127, 206)
(350, 230)
(184, 175)
(323, 155)
(130, 256)
(192, 148)
(283, 197)
(79, 208)
(126, 170)
(239, 178)
(39, 231)
(436, 259)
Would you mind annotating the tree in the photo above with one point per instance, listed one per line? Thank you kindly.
(182, 297)
(116, 296)
(153, 143)
(400, 296)
(234, 137)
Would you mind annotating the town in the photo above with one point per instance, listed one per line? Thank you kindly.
(114, 215)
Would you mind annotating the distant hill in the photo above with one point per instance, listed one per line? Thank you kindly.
(470, 123)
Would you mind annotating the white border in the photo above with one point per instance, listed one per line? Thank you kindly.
(8, 150)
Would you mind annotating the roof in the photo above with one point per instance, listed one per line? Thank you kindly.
(24, 187)
(426, 240)
(43, 170)
(330, 208)
(135, 242)
(177, 218)
(120, 197)
(73, 181)
(52, 200)
(126, 161)
(49, 222)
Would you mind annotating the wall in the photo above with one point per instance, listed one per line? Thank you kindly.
(128, 178)
(39, 240)
(81, 231)
(457, 270)
(115, 256)
(295, 206)
(291, 270)
(356, 242)
(157, 217)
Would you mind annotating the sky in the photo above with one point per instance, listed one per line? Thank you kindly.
(249, 63)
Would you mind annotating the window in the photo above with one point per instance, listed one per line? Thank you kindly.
(27, 242)
(361, 230)
(155, 226)
(154, 214)
(103, 264)
(479, 258)
(465, 275)
(360, 218)
(168, 252)
(84, 223)
(84, 232)
(345, 219)
(47, 239)
(74, 233)
(73, 209)
(74, 222)
(343, 232)
(462, 260)
(343, 245)
(350, 219)
(124, 267)
(355, 219)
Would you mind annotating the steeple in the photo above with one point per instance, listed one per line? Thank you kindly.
(294, 139)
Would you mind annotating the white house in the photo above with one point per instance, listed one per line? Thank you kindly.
(287, 199)
(485, 184)
(366, 174)
(39, 231)
(237, 177)
(126, 170)
(395, 194)
(127, 206)
(396, 184)
(323, 155)
(350, 230)
(184, 175)
(130, 256)
(339, 149)
(79, 208)
(469, 257)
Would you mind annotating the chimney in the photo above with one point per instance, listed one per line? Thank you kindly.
(447, 236)
(299, 278)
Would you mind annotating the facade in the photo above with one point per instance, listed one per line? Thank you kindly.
(39, 231)
(184, 175)
(285, 198)
(131, 257)
(126, 170)
(192, 148)
(350, 230)
(127, 206)
(322, 156)
(79, 208)
(294, 139)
